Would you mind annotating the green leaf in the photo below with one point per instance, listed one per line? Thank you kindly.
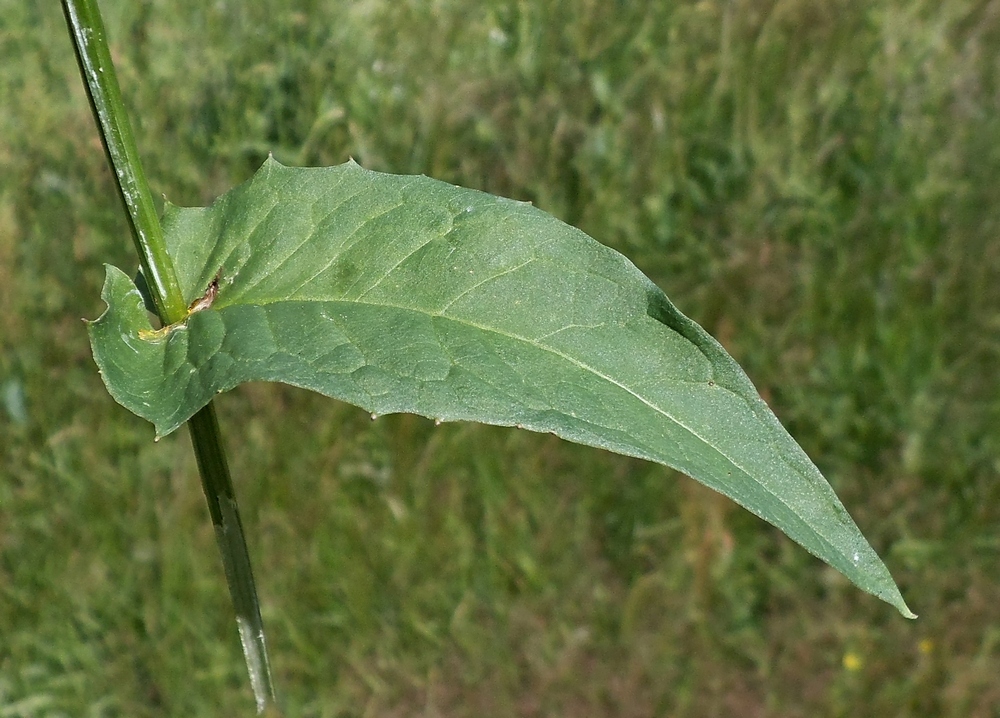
(405, 294)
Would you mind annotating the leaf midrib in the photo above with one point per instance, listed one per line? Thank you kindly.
(586, 367)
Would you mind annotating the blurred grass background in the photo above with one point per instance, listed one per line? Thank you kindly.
(816, 183)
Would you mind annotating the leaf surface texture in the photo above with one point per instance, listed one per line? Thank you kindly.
(406, 294)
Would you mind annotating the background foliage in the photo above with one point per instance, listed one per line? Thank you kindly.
(813, 182)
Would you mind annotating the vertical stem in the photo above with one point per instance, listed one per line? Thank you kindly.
(92, 53)
(218, 486)
(87, 31)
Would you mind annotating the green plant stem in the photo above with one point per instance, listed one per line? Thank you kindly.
(93, 54)
(218, 486)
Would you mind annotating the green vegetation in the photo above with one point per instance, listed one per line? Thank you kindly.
(811, 183)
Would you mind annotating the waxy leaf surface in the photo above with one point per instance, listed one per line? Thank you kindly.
(405, 294)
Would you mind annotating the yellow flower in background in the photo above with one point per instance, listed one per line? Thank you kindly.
(852, 661)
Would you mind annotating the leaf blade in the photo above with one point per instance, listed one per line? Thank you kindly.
(404, 294)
